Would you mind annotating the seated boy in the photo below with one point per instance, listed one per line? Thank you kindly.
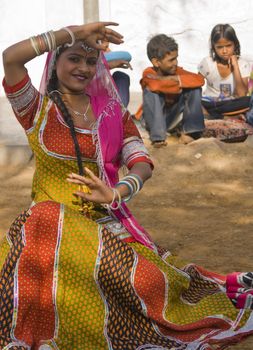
(171, 95)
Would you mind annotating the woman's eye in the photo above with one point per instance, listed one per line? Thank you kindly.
(91, 62)
(74, 59)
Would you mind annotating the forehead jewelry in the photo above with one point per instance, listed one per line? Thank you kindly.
(87, 48)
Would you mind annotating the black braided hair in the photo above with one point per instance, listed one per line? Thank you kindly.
(53, 93)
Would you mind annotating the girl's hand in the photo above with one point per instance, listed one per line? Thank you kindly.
(93, 33)
(99, 191)
(233, 62)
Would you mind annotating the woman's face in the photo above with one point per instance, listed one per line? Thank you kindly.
(75, 68)
(224, 49)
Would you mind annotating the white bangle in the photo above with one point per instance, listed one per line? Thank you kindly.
(114, 201)
(35, 45)
(53, 40)
(73, 39)
(118, 201)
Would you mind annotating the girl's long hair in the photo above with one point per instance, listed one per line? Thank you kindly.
(225, 31)
(54, 94)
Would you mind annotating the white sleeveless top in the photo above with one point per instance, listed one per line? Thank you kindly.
(216, 86)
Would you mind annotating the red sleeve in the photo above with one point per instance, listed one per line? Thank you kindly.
(24, 99)
(129, 127)
(167, 86)
(189, 79)
(12, 89)
(133, 150)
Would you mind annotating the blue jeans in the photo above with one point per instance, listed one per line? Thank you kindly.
(249, 114)
(122, 82)
(186, 113)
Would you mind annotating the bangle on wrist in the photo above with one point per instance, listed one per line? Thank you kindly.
(134, 183)
(35, 45)
(118, 201)
(129, 186)
(114, 201)
(43, 42)
(73, 39)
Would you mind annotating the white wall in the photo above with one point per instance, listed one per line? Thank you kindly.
(189, 21)
(21, 19)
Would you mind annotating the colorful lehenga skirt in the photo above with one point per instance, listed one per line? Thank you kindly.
(68, 282)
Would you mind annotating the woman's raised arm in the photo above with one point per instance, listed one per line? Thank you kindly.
(16, 56)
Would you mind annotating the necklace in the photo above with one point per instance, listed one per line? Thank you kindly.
(79, 114)
(71, 93)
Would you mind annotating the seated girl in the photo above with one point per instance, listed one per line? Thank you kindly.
(226, 75)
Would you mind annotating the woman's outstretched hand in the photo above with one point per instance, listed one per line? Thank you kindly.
(99, 191)
(233, 62)
(93, 33)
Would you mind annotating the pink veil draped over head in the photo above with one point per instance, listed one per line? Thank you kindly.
(107, 134)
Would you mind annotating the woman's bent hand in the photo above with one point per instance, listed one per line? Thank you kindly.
(99, 191)
(93, 33)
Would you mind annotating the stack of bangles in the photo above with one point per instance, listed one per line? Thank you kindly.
(133, 182)
(47, 42)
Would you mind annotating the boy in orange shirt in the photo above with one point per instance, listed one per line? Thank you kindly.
(171, 95)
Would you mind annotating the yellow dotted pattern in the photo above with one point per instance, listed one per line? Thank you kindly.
(4, 249)
(80, 307)
(180, 312)
(79, 304)
(49, 181)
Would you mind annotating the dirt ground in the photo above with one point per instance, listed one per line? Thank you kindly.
(198, 204)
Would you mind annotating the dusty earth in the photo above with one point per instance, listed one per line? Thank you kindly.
(198, 204)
